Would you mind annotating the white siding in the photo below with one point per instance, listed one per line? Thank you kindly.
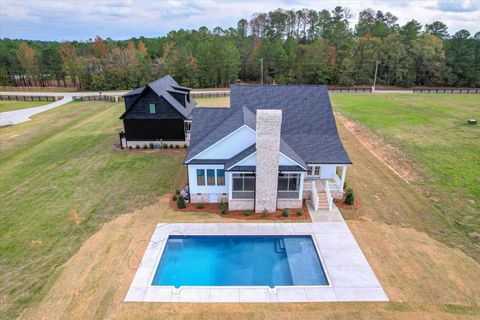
(192, 180)
(230, 146)
(328, 171)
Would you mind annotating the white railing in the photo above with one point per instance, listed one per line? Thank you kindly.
(315, 199)
(329, 195)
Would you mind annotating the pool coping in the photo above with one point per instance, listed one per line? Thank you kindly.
(348, 273)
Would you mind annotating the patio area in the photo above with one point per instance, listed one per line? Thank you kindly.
(349, 274)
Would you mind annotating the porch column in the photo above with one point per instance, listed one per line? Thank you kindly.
(302, 180)
(344, 173)
(230, 183)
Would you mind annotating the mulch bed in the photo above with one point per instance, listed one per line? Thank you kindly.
(340, 203)
(214, 208)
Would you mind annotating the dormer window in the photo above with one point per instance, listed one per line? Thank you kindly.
(152, 109)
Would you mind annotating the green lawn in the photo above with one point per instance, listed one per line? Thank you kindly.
(60, 180)
(15, 105)
(432, 131)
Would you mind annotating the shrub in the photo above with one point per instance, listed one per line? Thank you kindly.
(247, 213)
(165, 146)
(137, 147)
(177, 146)
(177, 192)
(350, 197)
(200, 206)
(174, 197)
(171, 146)
(285, 213)
(151, 146)
(181, 203)
(184, 146)
(129, 147)
(264, 213)
(145, 146)
(299, 213)
(223, 208)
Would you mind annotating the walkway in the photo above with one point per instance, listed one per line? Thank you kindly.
(349, 274)
(22, 115)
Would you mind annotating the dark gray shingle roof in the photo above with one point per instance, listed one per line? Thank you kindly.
(252, 168)
(163, 87)
(309, 133)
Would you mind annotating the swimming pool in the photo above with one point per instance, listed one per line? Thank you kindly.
(239, 261)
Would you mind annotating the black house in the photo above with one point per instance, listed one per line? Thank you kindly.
(159, 112)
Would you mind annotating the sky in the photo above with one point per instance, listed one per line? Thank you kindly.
(81, 20)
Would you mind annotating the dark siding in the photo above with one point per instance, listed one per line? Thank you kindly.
(154, 129)
(129, 100)
(179, 97)
(140, 109)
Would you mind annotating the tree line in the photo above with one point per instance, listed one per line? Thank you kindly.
(293, 46)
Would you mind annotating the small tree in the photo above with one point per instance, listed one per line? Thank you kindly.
(350, 197)
(181, 203)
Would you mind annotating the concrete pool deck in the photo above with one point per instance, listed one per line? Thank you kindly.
(348, 271)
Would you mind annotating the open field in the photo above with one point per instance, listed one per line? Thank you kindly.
(61, 179)
(435, 141)
(76, 215)
(213, 102)
(15, 105)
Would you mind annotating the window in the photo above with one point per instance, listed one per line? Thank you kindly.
(151, 106)
(288, 185)
(288, 181)
(200, 177)
(313, 171)
(243, 186)
(310, 171)
(210, 177)
(220, 177)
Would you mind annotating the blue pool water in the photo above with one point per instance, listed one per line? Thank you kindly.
(239, 261)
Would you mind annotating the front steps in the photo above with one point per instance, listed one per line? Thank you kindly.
(322, 201)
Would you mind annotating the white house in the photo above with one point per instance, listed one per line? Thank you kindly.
(274, 147)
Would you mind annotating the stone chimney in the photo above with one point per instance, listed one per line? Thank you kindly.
(269, 123)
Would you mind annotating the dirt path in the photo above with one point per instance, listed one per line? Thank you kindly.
(424, 278)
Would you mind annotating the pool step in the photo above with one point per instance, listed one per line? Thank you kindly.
(280, 245)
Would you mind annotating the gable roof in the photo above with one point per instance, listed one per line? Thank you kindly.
(308, 123)
(164, 87)
(284, 149)
(215, 124)
(308, 133)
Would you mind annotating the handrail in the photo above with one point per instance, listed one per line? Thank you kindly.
(329, 195)
(315, 199)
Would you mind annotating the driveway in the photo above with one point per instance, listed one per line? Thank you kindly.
(22, 115)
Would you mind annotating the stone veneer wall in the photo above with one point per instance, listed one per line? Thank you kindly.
(268, 154)
(203, 198)
(241, 204)
(133, 144)
(289, 204)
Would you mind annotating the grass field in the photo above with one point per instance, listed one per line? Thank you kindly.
(433, 133)
(77, 214)
(15, 105)
(61, 179)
